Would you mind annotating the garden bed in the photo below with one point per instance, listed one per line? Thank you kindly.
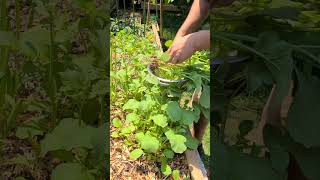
(141, 107)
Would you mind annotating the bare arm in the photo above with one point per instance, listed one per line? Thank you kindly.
(191, 43)
(198, 13)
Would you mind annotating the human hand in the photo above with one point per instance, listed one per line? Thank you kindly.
(181, 49)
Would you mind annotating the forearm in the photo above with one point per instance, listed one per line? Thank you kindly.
(198, 13)
(202, 40)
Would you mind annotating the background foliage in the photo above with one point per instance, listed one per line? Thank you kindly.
(282, 39)
(54, 88)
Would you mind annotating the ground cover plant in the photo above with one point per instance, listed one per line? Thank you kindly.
(53, 89)
(282, 39)
(150, 119)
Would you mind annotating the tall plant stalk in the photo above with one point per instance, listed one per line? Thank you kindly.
(52, 82)
(31, 15)
(4, 54)
(18, 19)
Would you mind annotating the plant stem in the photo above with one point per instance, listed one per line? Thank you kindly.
(31, 15)
(52, 85)
(18, 19)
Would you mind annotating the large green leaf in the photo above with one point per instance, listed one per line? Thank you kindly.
(132, 117)
(177, 141)
(188, 117)
(258, 75)
(230, 165)
(308, 160)
(174, 111)
(135, 154)
(191, 142)
(303, 117)
(205, 97)
(132, 104)
(150, 143)
(100, 150)
(29, 129)
(35, 41)
(160, 120)
(71, 171)
(67, 135)
(279, 53)
(7, 38)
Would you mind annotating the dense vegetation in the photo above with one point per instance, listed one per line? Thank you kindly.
(282, 39)
(53, 89)
(151, 119)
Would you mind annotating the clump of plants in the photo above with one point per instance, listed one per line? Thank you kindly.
(54, 88)
(156, 118)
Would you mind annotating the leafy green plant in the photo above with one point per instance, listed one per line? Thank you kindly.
(59, 84)
(156, 118)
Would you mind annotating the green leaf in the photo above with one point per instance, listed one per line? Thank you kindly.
(230, 164)
(147, 104)
(177, 142)
(7, 38)
(308, 160)
(71, 171)
(128, 130)
(135, 154)
(34, 42)
(188, 117)
(192, 143)
(115, 134)
(139, 136)
(73, 80)
(149, 143)
(63, 155)
(100, 88)
(176, 174)
(165, 57)
(279, 53)
(174, 111)
(168, 153)
(117, 123)
(100, 146)
(132, 117)
(29, 129)
(165, 168)
(205, 97)
(132, 104)
(258, 75)
(66, 136)
(160, 120)
(303, 123)
(168, 43)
